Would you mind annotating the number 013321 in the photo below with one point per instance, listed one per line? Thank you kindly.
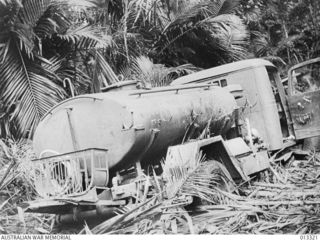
(309, 237)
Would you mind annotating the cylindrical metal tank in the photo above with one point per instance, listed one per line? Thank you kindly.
(134, 125)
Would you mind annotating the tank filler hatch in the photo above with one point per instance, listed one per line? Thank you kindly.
(71, 174)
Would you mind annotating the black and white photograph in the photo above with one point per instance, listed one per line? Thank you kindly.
(159, 117)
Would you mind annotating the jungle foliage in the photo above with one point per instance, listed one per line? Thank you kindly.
(52, 49)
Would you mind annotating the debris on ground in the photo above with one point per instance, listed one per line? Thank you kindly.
(284, 199)
(15, 188)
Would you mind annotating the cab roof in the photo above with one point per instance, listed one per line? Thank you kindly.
(221, 70)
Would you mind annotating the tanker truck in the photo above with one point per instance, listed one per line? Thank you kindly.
(94, 149)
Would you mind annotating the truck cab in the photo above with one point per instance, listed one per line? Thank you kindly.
(258, 106)
(274, 111)
(304, 98)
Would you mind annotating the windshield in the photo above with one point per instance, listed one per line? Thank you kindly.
(306, 78)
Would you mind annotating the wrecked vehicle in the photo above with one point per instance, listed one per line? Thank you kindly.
(95, 150)
(303, 101)
(268, 99)
(258, 104)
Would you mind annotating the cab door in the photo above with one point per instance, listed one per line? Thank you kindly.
(304, 98)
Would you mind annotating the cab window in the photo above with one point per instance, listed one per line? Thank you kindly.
(272, 74)
(306, 78)
(221, 83)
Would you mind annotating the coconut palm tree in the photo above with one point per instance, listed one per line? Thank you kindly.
(285, 32)
(203, 32)
(42, 43)
(37, 44)
(150, 75)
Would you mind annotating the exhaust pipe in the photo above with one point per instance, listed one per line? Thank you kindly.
(101, 213)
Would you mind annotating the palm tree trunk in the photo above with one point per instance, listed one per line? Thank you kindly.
(95, 82)
(106, 21)
(314, 7)
(125, 29)
(286, 35)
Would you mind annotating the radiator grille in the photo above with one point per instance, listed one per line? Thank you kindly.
(70, 174)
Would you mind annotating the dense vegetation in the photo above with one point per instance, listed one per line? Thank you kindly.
(95, 43)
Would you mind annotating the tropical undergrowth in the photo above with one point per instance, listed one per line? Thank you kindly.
(282, 200)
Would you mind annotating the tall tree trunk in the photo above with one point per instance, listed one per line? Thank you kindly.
(106, 21)
(125, 29)
(286, 35)
(315, 13)
(96, 85)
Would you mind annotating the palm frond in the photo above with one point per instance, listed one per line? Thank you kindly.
(147, 12)
(27, 19)
(128, 217)
(229, 32)
(80, 81)
(25, 36)
(86, 37)
(224, 34)
(7, 126)
(276, 60)
(152, 75)
(10, 2)
(32, 11)
(30, 84)
(46, 27)
(193, 13)
(9, 10)
(103, 69)
(198, 178)
(80, 4)
(52, 21)
(29, 87)
(229, 6)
